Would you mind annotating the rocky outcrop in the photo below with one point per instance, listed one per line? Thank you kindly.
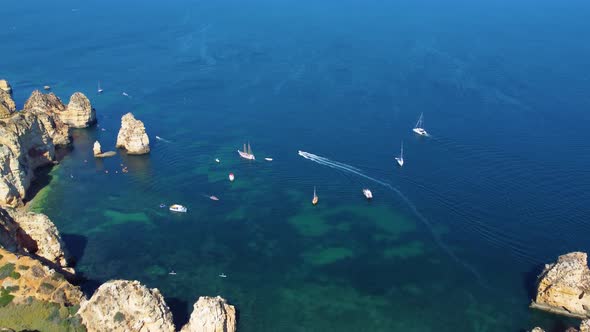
(585, 325)
(27, 141)
(537, 329)
(5, 86)
(132, 136)
(97, 151)
(122, 305)
(211, 314)
(42, 237)
(22, 277)
(79, 113)
(7, 105)
(44, 102)
(564, 286)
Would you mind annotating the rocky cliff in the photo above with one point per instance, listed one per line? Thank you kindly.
(132, 136)
(122, 305)
(7, 105)
(79, 113)
(5, 86)
(44, 102)
(211, 314)
(22, 277)
(564, 286)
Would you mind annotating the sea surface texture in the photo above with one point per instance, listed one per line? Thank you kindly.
(452, 241)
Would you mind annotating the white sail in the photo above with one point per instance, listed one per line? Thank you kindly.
(419, 124)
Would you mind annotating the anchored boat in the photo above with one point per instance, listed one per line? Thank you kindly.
(231, 177)
(178, 208)
(247, 152)
(418, 128)
(368, 194)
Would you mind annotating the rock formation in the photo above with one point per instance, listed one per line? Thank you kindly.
(79, 113)
(537, 329)
(5, 86)
(132, 136)
(23, 277)
(7, 105)
(122, 305)
(211, 314)
(564, 286)
(27, 141)
(97, 151)
(44, 102)
(42, 237)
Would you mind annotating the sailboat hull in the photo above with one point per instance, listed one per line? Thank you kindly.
(420, 131)
(246, 155)
(400, 161)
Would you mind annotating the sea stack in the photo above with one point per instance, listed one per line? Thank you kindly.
(7, 105)
(97, 151)
(564, 286)
(132, 136)
(5, 86)
(211, 314)
(79, 112)
(123, 305)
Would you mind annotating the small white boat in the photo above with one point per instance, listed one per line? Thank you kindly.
(231, 177)
(125, 94)
(268, 159)
(368, 194)
(223, 275)
(315, 199)
(172, 273)
(213, 198)
(400, 159)
(217, 160)
(418, 127)
(247, 152)
(178, 208)
(99, 89)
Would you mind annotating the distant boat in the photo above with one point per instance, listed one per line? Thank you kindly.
(162, 206)
(213, 198)
(400, 159)
(231, 177)
(268, 159)
(368, 194)
(247, 152)
(223, 275)
(172, 273)
(125, 94)
(99, 89)
(418, 128)
(178, 208)
(315, 199)
(217, 160)
(47, 87)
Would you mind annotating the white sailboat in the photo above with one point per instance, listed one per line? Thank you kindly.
(247, 153)
(99, 88)
(400, 159)
(418, 128)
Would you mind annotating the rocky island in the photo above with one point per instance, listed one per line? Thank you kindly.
(37, 282)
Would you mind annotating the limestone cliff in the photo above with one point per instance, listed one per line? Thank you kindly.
(122, 305)
(79, 113)
(5, 86)
(564, 286)
(44, 102)
(132, 136)
(27, 141)
(7, 105)
(22, 277)
(211, 314)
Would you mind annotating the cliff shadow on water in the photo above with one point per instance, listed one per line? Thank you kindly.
(179, 309)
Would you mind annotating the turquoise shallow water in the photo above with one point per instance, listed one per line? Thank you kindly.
(499, 189)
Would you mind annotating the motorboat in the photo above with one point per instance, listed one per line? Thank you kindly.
(217, 160)
(178, 208)
(213, 198)
(99, 89)
(223, 275)
(162, 206)
(418, 128)
(172, 273)
(247, 152)
(231, 177)
(400, 159)
(315, 199)
(368, 194)
(125, 94)
(268, 159)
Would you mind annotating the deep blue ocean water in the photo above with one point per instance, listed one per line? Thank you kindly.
(452, 241)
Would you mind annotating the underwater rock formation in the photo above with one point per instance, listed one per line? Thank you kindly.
(122, 305)
(132, 136)
(211, 314)
(564, 286)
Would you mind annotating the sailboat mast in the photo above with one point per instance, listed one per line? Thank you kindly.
(249, 148)
(245, 151)
(402, 153)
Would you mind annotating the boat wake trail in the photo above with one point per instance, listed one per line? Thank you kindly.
(351, 169)
(162, 139)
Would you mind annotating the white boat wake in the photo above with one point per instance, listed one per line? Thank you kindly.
(351, 169)
(162, 139)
